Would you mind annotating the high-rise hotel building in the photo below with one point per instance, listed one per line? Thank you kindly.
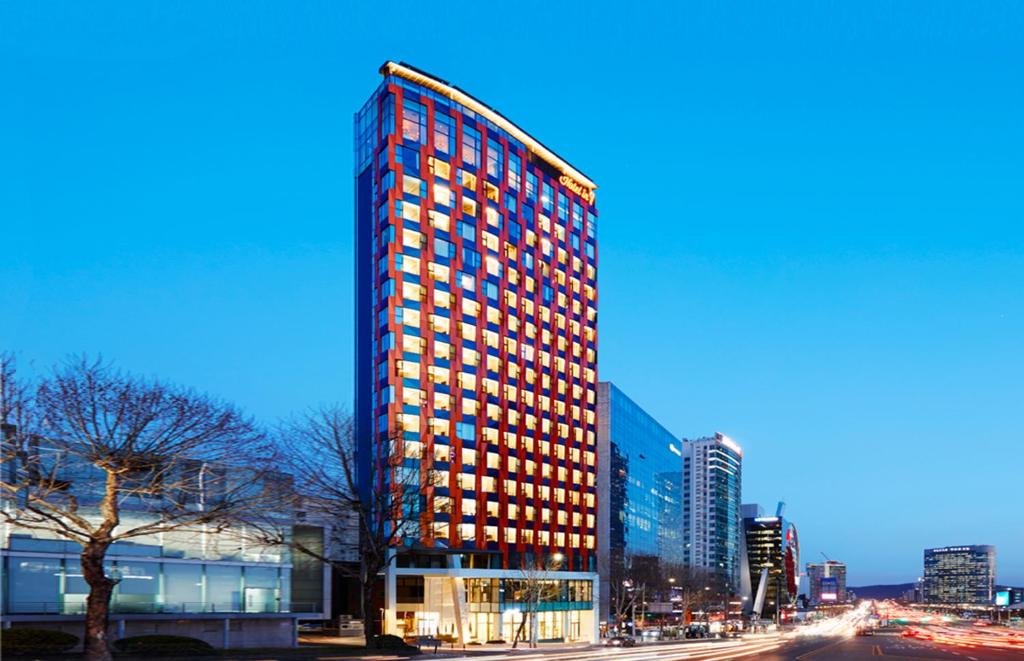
(476, 370)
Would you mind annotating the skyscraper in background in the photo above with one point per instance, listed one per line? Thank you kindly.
(826, 582)
(476, 361)
(960, 575)
(712, 480)
(639, 479)
(772, 549)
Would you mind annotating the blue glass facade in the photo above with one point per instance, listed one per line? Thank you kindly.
(639, 483)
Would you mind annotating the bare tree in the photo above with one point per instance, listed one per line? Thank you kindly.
(319, 449)
(533, 587)
(632, 580)
(95, 445)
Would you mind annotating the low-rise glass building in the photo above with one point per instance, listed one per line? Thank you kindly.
(204, 582)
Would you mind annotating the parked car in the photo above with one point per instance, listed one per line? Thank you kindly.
(697, 631)
(620, 641)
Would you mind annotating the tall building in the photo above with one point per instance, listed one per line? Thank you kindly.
(476, 368)
(712, 476)
(772, 545)
(827, 582)
(960, 575)
(639, 473)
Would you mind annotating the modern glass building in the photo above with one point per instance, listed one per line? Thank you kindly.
(827, 582)
(712, 480)
(639, 487)
(772, 545)
(960, 575)
(476, 357)
(204, 582)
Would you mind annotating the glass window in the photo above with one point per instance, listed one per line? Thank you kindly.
(470, 146)
(495, 157)
(224, 587)
(531, 186)
(444, 133)
(546, 197)
(183, 591)
(33, 585)
(414, 121)
(138, 578)
(514, 164)
(442, 248)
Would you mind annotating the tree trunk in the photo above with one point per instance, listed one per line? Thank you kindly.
(366, 605)
(97, 608)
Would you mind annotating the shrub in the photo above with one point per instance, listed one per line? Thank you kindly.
(36, 641)
(389, 642)
(394, 644)
(157, 645)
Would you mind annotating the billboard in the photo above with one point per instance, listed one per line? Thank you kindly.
(829, 589)
(1003, 598)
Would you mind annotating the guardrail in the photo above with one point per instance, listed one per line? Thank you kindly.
(183, 608)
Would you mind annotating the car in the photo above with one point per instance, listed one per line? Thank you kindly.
(697, 631)
(865, 631)
(620, 641)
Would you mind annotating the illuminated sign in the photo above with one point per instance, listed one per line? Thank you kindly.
(1003, 598)
(829, 589)
(576, 187)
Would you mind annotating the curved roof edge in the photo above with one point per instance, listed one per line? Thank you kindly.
(455, 94)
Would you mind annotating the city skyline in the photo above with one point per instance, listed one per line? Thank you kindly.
(873, 351)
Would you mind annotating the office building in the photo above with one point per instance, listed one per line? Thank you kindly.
(712, 476)
(639, 473)
(772, 554)
(476, 361)
(960, 575)
(826, 582)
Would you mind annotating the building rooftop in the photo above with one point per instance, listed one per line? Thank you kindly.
(457, 95)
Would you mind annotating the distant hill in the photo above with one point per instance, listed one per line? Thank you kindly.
(881, 591)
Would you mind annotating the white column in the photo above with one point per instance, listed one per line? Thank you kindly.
(390, 602)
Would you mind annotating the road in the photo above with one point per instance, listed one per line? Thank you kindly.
(834, 639)
(775, 648)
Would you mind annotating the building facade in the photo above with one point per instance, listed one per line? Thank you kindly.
(712, 523)
(476, 360)
(960, 575)
(207, 582)
(772, 552)
(826, 582)
(639, 487)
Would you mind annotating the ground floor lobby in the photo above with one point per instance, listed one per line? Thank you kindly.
(474, 606)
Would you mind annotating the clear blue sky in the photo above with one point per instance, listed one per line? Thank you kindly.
(812, 224)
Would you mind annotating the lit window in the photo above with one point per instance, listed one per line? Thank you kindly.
(414, 121)
(442, 195)
(444, 133)
(439, 220)
(412, 186)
